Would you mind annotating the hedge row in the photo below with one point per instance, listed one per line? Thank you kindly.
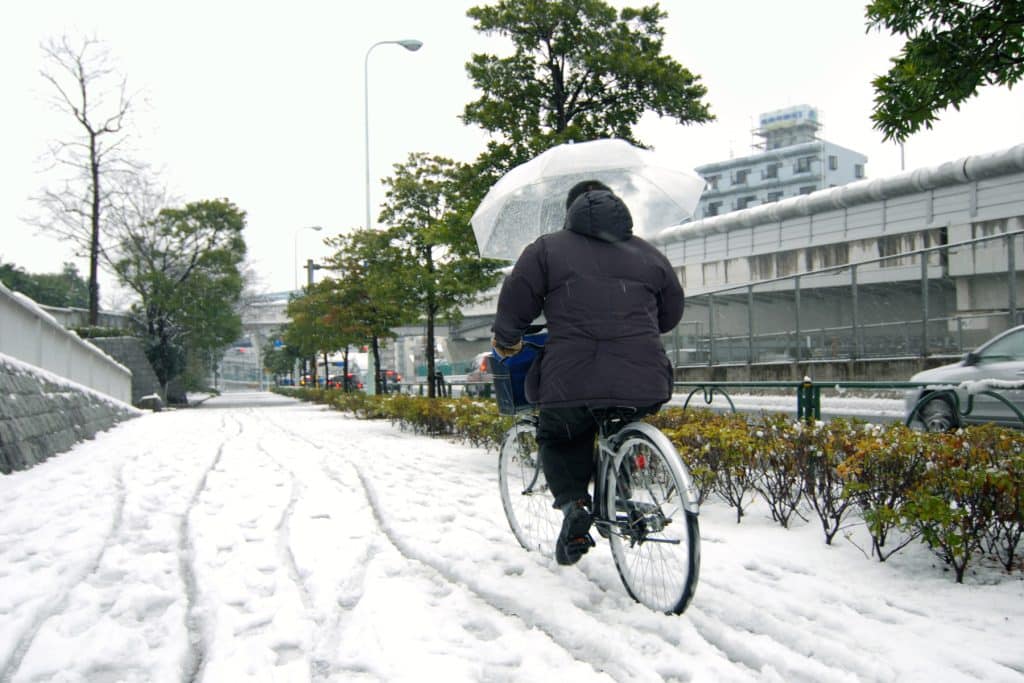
(960, 493)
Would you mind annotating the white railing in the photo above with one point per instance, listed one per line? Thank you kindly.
(31, 335)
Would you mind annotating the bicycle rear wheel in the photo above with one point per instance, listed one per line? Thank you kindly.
(524, 490)
(655, 536)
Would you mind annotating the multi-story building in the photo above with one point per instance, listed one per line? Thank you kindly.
(791, 161)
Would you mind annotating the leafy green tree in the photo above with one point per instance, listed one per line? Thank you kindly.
(66, 289)
(953, 47)
(184, 267)
(279, 361)
(320, 324)
(369, 289)
(580, 71)
(431, 252)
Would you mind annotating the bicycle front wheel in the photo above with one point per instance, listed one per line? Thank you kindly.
(524, 490)
(655, 536)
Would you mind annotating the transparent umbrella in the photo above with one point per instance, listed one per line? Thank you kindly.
(529, 200)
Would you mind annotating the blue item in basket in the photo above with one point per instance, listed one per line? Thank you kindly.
(510, 374)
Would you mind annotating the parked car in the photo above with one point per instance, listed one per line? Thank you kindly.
(479, 377)
(392, 381)
(355, 381)
(1000, 359)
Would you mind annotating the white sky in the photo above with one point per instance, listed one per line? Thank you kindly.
(262, 103)
(254, 539)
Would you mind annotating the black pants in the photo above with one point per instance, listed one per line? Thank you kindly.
(566, 440)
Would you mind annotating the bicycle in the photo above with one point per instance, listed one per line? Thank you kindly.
(645, 503)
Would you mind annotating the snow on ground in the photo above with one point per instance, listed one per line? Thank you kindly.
(257, 538)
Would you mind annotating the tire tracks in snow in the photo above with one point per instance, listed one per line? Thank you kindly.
(665, 652)
(195, 657)
(283, 530)
(59, 602)
(330, 623)
(578, 647)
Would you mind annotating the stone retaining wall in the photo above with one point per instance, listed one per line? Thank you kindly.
(42, 414)
(128, 352)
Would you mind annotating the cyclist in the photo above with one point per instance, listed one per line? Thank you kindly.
(607, 296)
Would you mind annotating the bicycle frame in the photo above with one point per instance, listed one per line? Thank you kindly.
(608, 446)
(662, 442)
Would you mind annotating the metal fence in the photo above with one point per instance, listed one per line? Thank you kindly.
(941, 300)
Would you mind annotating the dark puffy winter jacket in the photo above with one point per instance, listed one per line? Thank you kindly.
(606, 296)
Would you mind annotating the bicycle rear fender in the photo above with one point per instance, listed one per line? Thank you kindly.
(663, 443)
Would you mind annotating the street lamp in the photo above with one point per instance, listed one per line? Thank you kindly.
(412, 46)
(295, 253)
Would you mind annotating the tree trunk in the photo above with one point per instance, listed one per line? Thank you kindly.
(345, 384)
(431, 393)
(428, 258)
(94, 242)
(378, 373)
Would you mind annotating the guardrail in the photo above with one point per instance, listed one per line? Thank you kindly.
(808, 394)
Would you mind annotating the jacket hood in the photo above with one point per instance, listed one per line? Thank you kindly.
(601, 215)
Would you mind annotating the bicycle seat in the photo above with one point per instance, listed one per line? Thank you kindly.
(615, 412)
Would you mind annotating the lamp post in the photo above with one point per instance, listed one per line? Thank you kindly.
(295, 253)
(408, 44)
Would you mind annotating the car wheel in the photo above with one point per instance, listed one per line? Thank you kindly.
(938, 415)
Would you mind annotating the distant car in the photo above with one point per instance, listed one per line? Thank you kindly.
(479, 377)
(1000, 358)
(355, 381)
(392, 381)
(285, 382)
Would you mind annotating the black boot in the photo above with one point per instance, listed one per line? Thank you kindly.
(574, 540)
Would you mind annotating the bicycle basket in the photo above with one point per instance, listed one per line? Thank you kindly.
(510, 375)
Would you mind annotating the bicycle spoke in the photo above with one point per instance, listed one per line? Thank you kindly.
(656, 545)
(524, 491)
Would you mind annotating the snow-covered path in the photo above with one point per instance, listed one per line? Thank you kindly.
(261, 539)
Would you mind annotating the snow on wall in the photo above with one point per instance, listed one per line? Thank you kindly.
(42, 414)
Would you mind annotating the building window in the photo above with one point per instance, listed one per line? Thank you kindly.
(712, 181)
(744, 202)
(740, 178)
(713, 208)
(807, 189)
(897, 246)
(833, 162)
(762, 266)
(711, 273)
(827, 256)
(775, 196)
(771, 171)
(858, 170)
(786, 263)
(803, 165)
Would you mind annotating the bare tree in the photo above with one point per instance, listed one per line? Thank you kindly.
(88, 87)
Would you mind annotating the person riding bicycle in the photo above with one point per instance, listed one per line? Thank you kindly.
(607, 296)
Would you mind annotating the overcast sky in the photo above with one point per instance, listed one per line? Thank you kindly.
(262, 103)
